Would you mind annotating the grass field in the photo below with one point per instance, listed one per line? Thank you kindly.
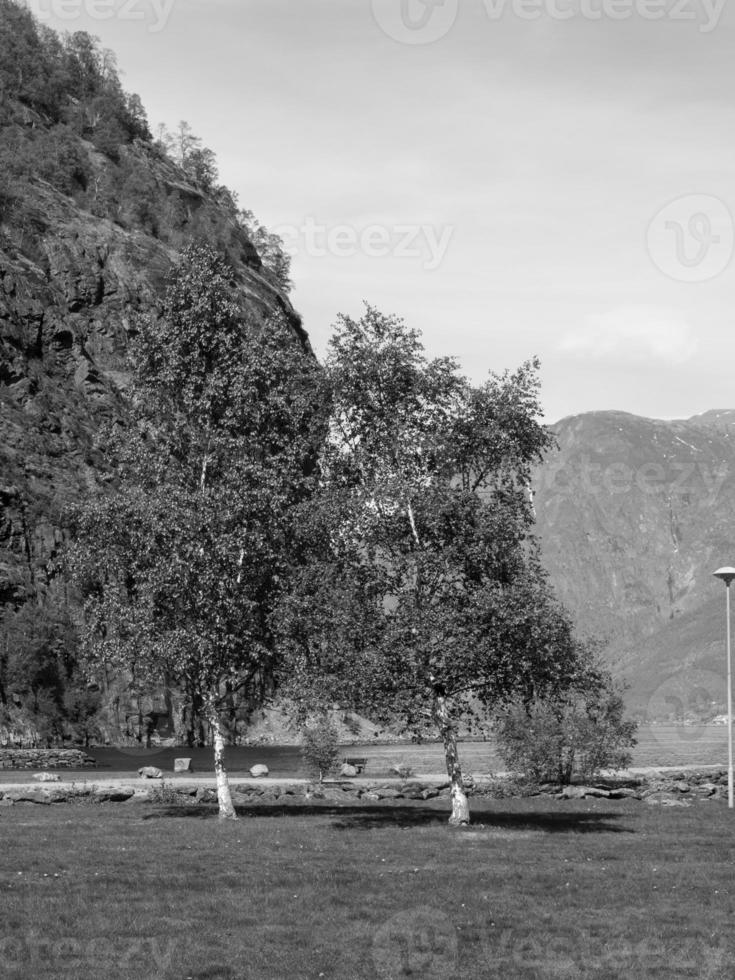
(660, 745)
(532, 889)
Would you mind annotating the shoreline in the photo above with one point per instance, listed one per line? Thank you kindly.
(184, 781)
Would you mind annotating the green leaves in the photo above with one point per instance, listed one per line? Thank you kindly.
(427, 533)
(577, 733)
(184, 563)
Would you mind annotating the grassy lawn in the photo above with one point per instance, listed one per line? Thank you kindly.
(532, 889)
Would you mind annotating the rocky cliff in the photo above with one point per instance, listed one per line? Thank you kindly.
(93, 215)
(67, 310)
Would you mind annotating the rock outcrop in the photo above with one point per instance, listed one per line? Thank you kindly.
(67, 313)
(93, 216)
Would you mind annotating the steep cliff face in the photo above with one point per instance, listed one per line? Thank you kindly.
(66, 313)
(93, 216)
(634, 515)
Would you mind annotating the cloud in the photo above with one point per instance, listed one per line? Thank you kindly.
(633, 334)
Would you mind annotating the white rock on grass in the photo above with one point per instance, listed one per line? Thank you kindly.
(47, 777)
(150, 772)
(183, 765)
(259, 770)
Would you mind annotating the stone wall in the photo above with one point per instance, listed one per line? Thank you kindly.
(45, 759)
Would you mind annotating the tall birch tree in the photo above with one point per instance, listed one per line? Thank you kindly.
(183, 559)
(425, 598)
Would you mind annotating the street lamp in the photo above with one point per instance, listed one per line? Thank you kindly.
(727, 575)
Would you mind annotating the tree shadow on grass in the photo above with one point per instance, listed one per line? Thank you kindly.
(374, 816)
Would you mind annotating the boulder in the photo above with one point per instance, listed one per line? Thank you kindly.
(583, 792)
(120, 795)
(241, 799)
(140, 796)
(348, 770)
(40, 794)
(665, 798)
(258, 771)
(414, 792)
(183, 765)
(150, 772)
(331, 793)
(46, 777)
(573, 793)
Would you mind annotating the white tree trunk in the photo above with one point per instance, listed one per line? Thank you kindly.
(460, 804)
(224, 797)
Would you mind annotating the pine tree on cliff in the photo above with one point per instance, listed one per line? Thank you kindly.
(184, 561)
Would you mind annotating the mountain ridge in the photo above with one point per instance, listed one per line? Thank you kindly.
(633, 515)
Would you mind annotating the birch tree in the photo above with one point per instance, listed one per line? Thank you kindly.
(184, 558)
(425, 598)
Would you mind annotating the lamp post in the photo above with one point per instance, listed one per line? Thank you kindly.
(727, 575)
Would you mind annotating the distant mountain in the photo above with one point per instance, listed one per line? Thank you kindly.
(723, 419)
(634, 515)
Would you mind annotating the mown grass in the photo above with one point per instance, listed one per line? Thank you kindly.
(534, 888)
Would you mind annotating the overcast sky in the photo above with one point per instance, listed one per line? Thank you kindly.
(513, 177)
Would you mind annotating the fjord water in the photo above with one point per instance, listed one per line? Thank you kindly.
(658, 745)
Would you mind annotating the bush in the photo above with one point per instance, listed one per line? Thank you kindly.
(320, 747)
(164, 794)
(559, 740)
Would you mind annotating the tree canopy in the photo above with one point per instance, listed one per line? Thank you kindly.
(184, 561)
(426, 597)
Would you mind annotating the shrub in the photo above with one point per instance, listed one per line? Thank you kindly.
(571, 737)
(320, 747)
(164, 794)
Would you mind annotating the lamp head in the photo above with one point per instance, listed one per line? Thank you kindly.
(727, 574)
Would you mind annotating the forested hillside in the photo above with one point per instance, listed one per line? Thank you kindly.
(94, 213)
